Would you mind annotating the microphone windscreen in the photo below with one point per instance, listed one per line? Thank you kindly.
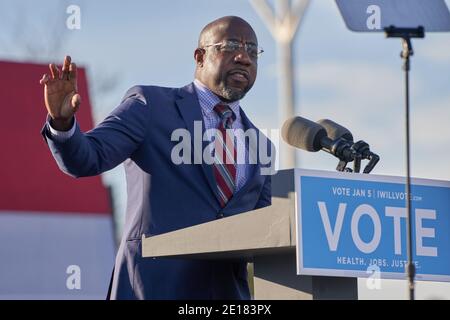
(303, 134)
(335, 131)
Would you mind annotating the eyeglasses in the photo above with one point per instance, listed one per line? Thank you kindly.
(234, 45)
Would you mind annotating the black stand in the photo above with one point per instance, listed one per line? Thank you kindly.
(358, 151)
(406, 34)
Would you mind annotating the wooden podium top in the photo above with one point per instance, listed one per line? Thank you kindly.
(262, 231)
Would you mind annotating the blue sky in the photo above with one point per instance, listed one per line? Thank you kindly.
(353, 78)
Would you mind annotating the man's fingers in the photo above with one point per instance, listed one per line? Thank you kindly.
(73, 72)
(45, 79)
(75, 102)
(55, 71)
(65, 68)
(67, 60)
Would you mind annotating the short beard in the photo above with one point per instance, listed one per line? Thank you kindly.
(232, 94)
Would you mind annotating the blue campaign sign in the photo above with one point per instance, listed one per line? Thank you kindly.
(353, 224)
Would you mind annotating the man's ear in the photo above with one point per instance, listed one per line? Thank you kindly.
(199, 55)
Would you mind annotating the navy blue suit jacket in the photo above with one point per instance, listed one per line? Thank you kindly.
(162, 196)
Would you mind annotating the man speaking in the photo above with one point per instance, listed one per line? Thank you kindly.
(162, 195)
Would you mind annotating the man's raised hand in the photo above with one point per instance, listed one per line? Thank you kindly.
(61, 96)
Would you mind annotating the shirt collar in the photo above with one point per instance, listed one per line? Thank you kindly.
(208, 99)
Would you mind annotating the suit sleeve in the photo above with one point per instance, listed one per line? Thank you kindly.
(107, 145)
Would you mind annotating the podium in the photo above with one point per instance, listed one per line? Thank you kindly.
(266, 237)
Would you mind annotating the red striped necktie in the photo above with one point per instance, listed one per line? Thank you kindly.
(225, 155)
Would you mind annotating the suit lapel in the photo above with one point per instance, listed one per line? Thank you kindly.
(190, 111)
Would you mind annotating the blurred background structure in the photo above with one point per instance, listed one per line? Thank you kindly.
(56, 233)
(352, 78)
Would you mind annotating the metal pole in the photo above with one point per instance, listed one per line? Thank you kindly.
(406, 34)
(410, 268)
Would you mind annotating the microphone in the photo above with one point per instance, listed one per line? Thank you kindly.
(310, 136)
(335, 130)
(361, 148)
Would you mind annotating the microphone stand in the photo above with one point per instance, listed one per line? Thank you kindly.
(406, 34)
(359, 150)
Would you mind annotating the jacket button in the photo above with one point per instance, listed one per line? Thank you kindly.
(219, 215)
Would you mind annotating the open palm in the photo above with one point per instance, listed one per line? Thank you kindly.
(60, 91)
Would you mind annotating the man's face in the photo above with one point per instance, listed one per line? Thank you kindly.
(230, 75)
